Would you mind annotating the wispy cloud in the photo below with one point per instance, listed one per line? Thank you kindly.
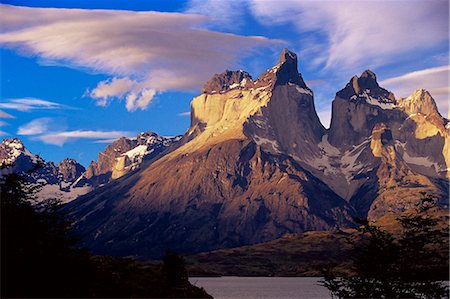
(59, 138)
(435, 80)
(27, 104)
(187, 113)
(144, 52)
(351, 35)
(35, 127)
(224, 14)
(3, 114)
(106, 140)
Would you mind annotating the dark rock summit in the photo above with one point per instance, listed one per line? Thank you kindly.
(70, 170)
(226, 80)
(287, 69)
(366, 82)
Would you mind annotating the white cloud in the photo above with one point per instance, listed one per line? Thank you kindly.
(35, 127)
(435, 80)
(145, 52)
(187, 113)
(59, 138)
(352, 35)
(3, 133)
(27, 104)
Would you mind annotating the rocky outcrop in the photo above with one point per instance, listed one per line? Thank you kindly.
(399, 187)
(358, 108)
(125, 155)
(70, 170)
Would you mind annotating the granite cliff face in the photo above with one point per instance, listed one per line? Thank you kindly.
(256, 163)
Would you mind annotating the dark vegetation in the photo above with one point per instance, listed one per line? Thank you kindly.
(292, 255)
(40, 258)
(409, 264)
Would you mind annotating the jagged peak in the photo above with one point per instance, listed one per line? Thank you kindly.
(420, 101)
(13, 141)
(366, 87)
(284, 72)
(12, 148)
(67, 161)
(369, 74)
(287, 56)
(227, 80)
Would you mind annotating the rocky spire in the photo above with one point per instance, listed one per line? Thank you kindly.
(284, 72)
(367, 82)
(287, 70)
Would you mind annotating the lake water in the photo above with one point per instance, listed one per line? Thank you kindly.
(230, 287)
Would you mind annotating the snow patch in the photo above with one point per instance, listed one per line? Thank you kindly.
(139, 150)
(383, 103)
(327, 148)
(267, 142)
(300, 89)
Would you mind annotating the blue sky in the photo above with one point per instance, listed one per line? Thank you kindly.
(77, 74)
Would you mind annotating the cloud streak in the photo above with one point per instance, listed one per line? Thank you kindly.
(352, 35)
(3, 114)
(59, 138)
(143, 52)
(435, 80)
(27, 104)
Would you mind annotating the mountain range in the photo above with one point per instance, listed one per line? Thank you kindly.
(256, 164)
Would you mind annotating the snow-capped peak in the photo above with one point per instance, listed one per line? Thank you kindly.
(11, 149)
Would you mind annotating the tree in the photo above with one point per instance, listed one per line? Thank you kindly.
(410, 264)
(40, 258)
(174, 269)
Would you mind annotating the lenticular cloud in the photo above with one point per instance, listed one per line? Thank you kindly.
(144, 52)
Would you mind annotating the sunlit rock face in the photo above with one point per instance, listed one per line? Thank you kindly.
(399, 188)
(256, 163)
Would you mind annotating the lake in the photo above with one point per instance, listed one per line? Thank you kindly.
(262, 287)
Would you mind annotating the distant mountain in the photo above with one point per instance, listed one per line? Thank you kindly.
(56, 181)
(126, 155)
(256, 163)
(68, 179)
